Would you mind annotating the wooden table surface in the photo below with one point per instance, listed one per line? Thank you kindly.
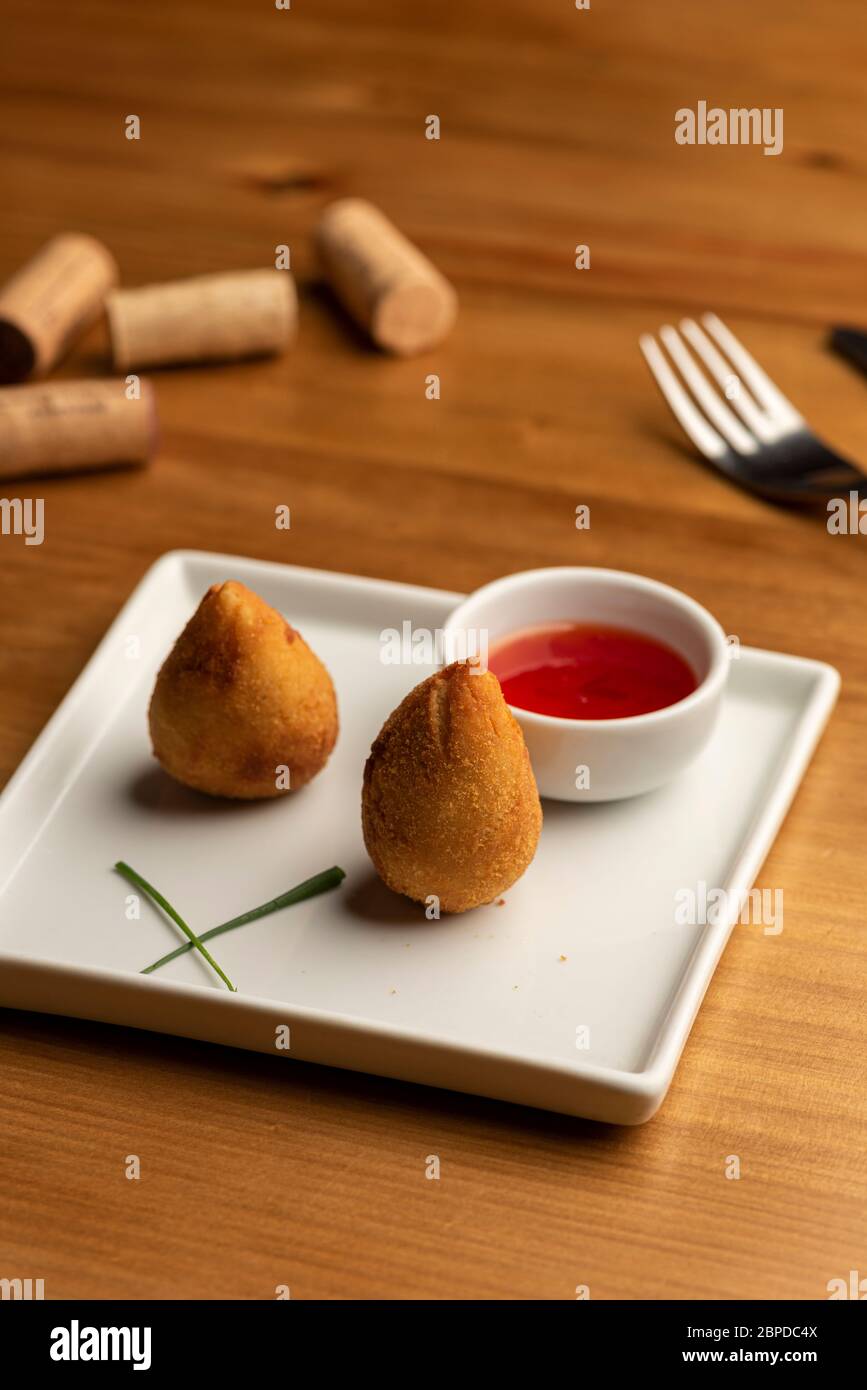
(556, 129)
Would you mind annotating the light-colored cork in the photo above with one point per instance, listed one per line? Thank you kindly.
(64, 426)
(385, 282)
(50, 302)
(208, 318)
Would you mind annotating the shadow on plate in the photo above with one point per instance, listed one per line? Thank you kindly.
(370, 901)
(153, 790)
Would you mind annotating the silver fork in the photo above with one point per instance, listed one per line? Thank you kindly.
(770, 448)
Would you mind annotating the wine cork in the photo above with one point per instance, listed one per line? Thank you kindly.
(208, 318)
(385, 282)
(61, 426)
(50, 302)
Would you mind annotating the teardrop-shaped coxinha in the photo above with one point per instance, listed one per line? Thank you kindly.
(242, 707)
(449, 803)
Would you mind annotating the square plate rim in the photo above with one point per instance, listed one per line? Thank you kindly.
(646, 1084)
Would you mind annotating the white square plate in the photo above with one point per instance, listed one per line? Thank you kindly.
(493, 1001)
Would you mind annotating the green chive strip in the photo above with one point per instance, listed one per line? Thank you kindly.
(320, 883)
(139, 882)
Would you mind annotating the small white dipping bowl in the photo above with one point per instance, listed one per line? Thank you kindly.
(623, 757)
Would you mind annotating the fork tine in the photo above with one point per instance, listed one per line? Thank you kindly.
(758, 381)
(705, 439)
(740, 439)
(761, 425)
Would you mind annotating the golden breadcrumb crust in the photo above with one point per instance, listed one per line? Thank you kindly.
(449, 804)
(239, 696)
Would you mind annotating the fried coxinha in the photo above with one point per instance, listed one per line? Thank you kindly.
(450, 808)
(449, 803)
(240, 697)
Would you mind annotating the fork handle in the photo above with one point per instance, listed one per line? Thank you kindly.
(852, 344)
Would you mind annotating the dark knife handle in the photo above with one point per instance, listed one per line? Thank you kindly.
(852, 344)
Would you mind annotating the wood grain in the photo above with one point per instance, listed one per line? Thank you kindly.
(557, 129)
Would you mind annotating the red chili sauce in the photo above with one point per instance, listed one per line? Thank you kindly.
(584, 671)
